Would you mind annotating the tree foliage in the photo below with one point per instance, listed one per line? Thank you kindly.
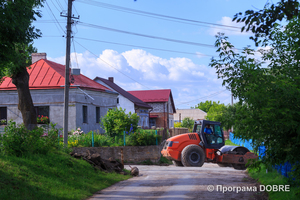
(215, 112)
(261, 22)
(268, 90)
(116, 121)
(188, 122)
(205, 106)
(16, 36)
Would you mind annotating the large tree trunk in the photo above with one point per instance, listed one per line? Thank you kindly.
(21, 81)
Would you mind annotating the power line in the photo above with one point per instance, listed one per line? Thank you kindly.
(143, 35)
(154, 15)
(75, 53)
(55, 6)
(167, 50)
(55, 17)
(211, 95)
(59, 4)
(112, 66)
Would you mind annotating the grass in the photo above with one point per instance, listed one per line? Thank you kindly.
(56, 175)
(273, 178)
(228, 142)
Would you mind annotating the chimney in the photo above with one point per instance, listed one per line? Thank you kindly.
(38, 56)
(111, 79)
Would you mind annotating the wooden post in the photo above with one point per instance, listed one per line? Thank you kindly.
(122, 157)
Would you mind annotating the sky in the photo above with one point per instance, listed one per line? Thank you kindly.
(147, 45)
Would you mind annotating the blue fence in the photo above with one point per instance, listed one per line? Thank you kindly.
(238, 141)
(283, 169)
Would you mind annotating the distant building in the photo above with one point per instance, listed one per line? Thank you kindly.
(128, 102)
(88, 100)
(192, 113)
(163, 106)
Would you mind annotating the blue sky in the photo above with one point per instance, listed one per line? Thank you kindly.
(141, 66)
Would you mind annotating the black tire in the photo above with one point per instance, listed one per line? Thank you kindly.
(240, 151)
(177, 163)
(192, 156)
(222, 165)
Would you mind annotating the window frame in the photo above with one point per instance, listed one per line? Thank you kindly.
(97, 114)
(3, 110)
(84, 114)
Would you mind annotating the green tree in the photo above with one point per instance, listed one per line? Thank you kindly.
(262, 22)
(116, 121)
(215, 112)
(188, 122)
(268, 90)
(205, 106)
(16, 37)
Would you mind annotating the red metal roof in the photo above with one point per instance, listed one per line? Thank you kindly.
(45, 74)
(152, 95)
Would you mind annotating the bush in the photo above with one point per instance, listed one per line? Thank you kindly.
(188, 122)
(139, 138)
(143, 138)
(177, 124)
(18, 141)
(116, 121)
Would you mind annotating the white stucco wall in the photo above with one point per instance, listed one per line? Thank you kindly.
(124, 103)
(54, 99)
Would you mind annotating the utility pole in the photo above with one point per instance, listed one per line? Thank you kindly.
(67, 72)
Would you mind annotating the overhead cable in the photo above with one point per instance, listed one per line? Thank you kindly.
(112, 66)
(154, 15)
(143, 35)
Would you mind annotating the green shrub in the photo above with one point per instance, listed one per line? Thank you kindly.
(143, 138)
(18, 141)
(139, 138)
(188, 122)
(116, 121)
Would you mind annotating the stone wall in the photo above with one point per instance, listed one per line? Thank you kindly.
(132, 154)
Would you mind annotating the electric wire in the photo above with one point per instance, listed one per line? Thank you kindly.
(137, 46)
(143, 35)
(211, 95)
(111, 65)
(55, 18)
(59, 4)
(75, 52)
(55, 6)
(154, 15)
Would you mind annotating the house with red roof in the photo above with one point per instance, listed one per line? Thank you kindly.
(163, 106)
(128, 102)
(88, 100)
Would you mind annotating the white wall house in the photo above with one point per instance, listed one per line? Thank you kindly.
(128, 102)
(88, 100)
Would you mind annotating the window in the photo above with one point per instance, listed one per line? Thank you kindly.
(118, 100)
(97, 114)
(42, 113)
(152, 122)
(84, 114)
(42, 110)
(3, 115)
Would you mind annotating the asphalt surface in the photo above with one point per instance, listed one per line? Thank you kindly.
(170, 182)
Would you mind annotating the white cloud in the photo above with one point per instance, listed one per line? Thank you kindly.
(227, 21)
(138, 69)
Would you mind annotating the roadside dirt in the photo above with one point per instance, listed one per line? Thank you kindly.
(170, 182)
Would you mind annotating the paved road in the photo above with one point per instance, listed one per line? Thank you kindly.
(170, 182)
